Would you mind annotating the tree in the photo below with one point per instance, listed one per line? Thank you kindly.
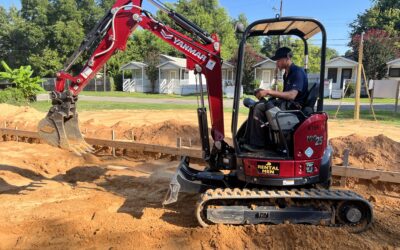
(384, 14)
(381, 24)
(379, 48)
(270, 45)
(47, 63)
(314, 55)
(251, 57)
(208, 15)
(255, 42)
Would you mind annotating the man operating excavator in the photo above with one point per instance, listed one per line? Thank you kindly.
(293, 96)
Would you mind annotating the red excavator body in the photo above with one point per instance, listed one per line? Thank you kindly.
(287, 181)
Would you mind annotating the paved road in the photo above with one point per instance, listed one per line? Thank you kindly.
(328, 104)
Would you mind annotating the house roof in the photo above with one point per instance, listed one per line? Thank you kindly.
(228, 65)
(395, 61)
(178, 62)
(133, 65)
(343, 59)
(262, 62)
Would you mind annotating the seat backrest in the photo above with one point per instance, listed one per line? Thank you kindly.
(311, 99)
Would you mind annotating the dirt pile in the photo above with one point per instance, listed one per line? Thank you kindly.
(166, 133)
(23, 117)
(116, 203)
(162, 133)
(377, 152)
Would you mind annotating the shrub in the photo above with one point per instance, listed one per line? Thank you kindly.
(351, 90)
(277, 86)
(23, 80)
(12, 96)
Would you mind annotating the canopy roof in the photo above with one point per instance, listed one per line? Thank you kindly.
(302, 28)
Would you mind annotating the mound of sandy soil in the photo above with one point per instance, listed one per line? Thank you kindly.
(23, 117)
(66, 203)
(377, 152)
(166, 133)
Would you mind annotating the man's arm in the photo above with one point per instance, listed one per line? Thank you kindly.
(287, 95)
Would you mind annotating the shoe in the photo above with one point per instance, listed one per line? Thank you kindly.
(253, 148)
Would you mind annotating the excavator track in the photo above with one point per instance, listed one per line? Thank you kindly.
(298, 206)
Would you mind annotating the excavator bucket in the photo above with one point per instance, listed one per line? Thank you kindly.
(60, 128)
(63, 133)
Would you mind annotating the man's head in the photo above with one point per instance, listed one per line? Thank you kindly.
(283, 57)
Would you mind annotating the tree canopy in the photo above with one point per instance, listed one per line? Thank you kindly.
(381, 24)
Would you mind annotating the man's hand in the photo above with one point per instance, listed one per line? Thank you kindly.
(260, 93)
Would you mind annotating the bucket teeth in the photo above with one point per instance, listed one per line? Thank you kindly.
(58, 131)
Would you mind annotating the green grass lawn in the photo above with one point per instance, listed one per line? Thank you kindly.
(138, 95)
(366, 100)
(193, 97)
(89, 105)
(382, 116)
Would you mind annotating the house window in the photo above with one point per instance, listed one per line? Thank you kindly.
(332, 74)
(395, 72)
(184, 74)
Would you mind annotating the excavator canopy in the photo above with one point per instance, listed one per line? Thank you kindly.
(301, 28)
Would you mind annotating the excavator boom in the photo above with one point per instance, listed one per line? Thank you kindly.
(110, 35)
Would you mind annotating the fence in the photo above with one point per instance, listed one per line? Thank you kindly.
(94, 85)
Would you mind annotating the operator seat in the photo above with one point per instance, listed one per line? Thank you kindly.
(311, 99)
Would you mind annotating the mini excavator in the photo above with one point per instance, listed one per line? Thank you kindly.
(287, 182)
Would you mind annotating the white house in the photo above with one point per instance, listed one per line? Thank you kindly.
(264, 72)
(138, 81)
(340, 70)
(394, 69)
(173, 77)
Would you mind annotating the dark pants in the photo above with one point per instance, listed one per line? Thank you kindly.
(257, 133)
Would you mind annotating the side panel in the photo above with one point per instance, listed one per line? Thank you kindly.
(270, 169)
(310, 138)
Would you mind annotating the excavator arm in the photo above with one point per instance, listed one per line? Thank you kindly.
(110, 35)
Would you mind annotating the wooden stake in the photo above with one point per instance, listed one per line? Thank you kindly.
(346, 154)
(113, 138)
(358, 82)
(179, 142)
(369, 97)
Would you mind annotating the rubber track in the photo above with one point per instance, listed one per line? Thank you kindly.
(306, 194)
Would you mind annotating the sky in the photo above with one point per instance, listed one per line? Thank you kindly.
(335, 15)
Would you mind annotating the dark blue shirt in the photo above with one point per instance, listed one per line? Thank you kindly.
(296, 79)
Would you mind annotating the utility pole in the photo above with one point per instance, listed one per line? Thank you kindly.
(280, 15)
(358, 82)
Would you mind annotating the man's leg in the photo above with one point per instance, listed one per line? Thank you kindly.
(257, 133)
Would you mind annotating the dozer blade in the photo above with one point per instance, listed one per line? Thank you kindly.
(62, 132)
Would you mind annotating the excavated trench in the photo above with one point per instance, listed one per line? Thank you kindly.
(50, 198)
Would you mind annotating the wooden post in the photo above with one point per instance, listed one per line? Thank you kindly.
(16, 128)
(346, 154)
(104, 76)
(190, 142)
(358, 82)
(369, 96)
(179, 142)
(113, 138)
